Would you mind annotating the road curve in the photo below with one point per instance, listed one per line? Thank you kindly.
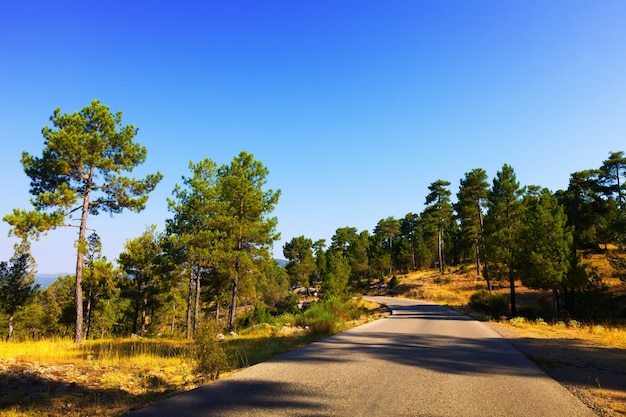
(423, 360)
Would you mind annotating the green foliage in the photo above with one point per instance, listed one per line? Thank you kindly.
(438, 214)
(492, 304)
(209, 354)
(471, 199)
(17, 279)
(143, 283)
(335, 283)
(545, 242)
(243, 220)
(330, 316)
(299, 253)
(394, 282)
(80, 170)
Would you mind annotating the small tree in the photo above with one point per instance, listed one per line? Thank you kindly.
(16, 283)
(299, 253)
(80, 170)
(139, 262)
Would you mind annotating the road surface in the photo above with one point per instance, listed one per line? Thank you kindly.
(423, 360)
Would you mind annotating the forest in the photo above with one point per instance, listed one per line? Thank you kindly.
(212, 260)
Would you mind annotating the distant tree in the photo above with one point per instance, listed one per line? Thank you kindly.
(244, 220)
(358, 259)
(80, 170)
(379, 258)
(139, 261)
(410, 231)
(299, 253)
(545, 244)
(337, 278)
(471, 198)
(389, 228)
(319, 251)
(343, 238)
(17, 278)
(502, 225)
(612, 173)
(588, 210)
(439, 212)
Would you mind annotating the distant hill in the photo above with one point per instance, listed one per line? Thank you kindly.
(45, 280)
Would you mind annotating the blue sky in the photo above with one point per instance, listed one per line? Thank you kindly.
(355, 107)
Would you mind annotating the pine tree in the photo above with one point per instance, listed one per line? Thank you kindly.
(299, 253)
(17, 283)
(243, 219)
(545, 244)
(438, 213)
(471, 198)
(502, 224)
(80, 170)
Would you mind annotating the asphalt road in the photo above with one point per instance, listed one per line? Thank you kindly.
(423, 360)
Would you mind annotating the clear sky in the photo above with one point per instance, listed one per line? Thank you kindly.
(355, 107)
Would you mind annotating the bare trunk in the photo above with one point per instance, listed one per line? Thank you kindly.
(88, 315)
(173, 323)
(78, 329)
(144, 308)
(513, 302)
(440, 250)
(10, 332)
(189, 304)
(196, 313)
(233, 304)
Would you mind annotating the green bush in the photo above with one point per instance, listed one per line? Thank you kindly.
(394, 282)
(330, 316)
(208, 352)
(492, 304)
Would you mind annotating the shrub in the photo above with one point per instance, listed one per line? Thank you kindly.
(492, 304)
(394, 282)
(518, 321)
(209, 354)
(330, 316)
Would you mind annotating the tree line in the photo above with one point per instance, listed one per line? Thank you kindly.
(508, 232)
(214, 252)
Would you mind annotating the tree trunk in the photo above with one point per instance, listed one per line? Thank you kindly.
(189, 305)
(10, 331)
(88, 316)
(173, 323)
(477, 250)
(513, 303)
(233, 304)
(196, 313)
(440, 249)
(555, 304)
(144, 308)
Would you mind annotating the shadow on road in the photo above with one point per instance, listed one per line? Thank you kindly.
(235, 397)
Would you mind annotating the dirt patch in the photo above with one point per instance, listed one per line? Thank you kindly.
(595, 374)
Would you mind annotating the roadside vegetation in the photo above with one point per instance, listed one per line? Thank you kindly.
(56, 377)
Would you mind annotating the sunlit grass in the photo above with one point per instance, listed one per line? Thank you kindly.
(115, 375)
(601, 334)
